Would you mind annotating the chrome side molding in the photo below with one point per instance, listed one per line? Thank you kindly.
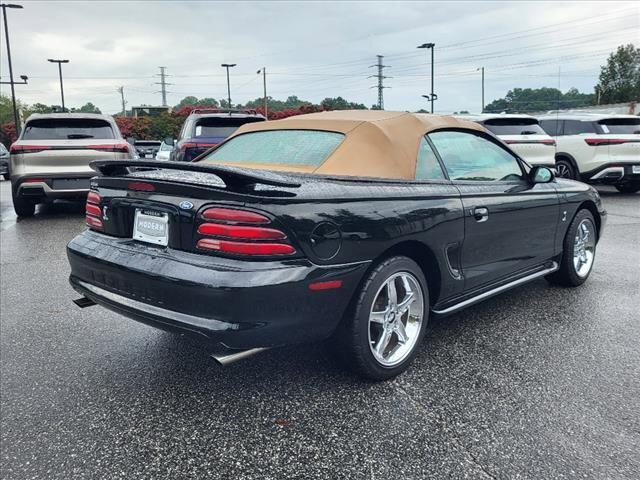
(483, 296)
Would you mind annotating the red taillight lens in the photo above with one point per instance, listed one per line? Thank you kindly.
(93, 216)
(120, 147)
(550, 141)
(141, 186)
(241, 232)
(186, 145)
(596, 142)
(93, 197)
(93, 222)
(27, 148)
(245, 248)
(232, 215)
(34, 180)
(92, 209)
(234, 231)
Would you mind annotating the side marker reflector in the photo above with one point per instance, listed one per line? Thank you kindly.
(329, 285)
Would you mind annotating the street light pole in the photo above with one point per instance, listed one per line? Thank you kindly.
(263, 70)
(16, 118)
(430, 46)
(228, 66)
(482, 69)
(60, 62)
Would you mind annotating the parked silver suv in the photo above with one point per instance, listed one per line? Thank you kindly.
(51, 157)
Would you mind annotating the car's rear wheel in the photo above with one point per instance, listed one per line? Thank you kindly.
(380, 334)
(22, 207)
(579, 251)
(564, 169)
(628, 187)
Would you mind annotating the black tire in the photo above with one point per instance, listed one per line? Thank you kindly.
(351, 339)
(566, 275)
(22, 207)
(564, 169)
(628, 188)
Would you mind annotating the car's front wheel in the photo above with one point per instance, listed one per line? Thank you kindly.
(628, 187)
(380, 334)
(579, 251)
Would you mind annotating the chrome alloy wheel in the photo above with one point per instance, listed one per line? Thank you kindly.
(584, 248)
(562, 171)
(396, 318)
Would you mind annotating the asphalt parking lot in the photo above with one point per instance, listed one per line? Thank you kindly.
(540, 382)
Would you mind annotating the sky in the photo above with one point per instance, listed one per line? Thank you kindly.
(310, 49)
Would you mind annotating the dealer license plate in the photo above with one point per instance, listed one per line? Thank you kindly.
(151, 227)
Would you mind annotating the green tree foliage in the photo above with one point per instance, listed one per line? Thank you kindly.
(192, 101)
(620, 77)
(523, 100)
(87, 108)
(339, 103)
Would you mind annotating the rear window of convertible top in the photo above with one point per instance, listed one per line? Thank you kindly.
(278, 147)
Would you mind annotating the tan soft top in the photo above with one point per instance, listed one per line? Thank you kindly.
(376, 144)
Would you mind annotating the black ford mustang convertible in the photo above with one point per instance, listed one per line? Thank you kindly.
(353, 226)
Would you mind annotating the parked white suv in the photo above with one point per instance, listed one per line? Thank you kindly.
(597, 148)
(523, 134)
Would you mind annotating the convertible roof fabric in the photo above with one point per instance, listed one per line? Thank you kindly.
(377, 143)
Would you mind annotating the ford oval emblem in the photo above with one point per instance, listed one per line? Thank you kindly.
(186, 205)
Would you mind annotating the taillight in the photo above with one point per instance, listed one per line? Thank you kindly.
(27, 148)
(118, 148)
(141, 186)
(595, 142)
(93, 216)
(233, 215)
(245, 248)
(35, 180)
(235, 231)
(186, 145)
(240, 232)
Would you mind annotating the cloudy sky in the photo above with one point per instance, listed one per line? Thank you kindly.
(311, 49)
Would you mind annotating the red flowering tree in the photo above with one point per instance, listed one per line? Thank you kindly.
(8, 133)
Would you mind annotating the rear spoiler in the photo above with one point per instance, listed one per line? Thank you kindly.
(233, 177)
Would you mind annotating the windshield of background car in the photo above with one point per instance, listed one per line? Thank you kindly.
(67, 129)
(514, 126)
(620, 125)
(220, 126)
(278, 147)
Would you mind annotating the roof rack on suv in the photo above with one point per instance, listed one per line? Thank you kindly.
(222, 110)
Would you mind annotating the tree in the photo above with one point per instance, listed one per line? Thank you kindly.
(523, 100)
(620, 78)
(87, 108)
(339, 103)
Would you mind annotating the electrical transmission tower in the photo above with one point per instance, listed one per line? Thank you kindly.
(163, 85)
(380, 78)
(124, 103)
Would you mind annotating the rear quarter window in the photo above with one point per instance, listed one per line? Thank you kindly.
(620, 126)
(278, 147)
(67, 129)
(514, 126)
(220, 127)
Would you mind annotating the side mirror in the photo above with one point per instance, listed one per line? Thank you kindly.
(540, 175)
(169, 141)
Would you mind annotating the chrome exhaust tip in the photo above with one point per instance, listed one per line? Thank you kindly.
(230, 356)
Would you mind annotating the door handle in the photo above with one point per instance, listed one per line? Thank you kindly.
(481, 214)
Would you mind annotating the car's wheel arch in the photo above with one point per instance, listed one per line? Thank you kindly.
(568, 157)
(593, 209)
(423, 256)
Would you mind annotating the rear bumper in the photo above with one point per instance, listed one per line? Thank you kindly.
(613, 174)
(53, 187)
(237, 303)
